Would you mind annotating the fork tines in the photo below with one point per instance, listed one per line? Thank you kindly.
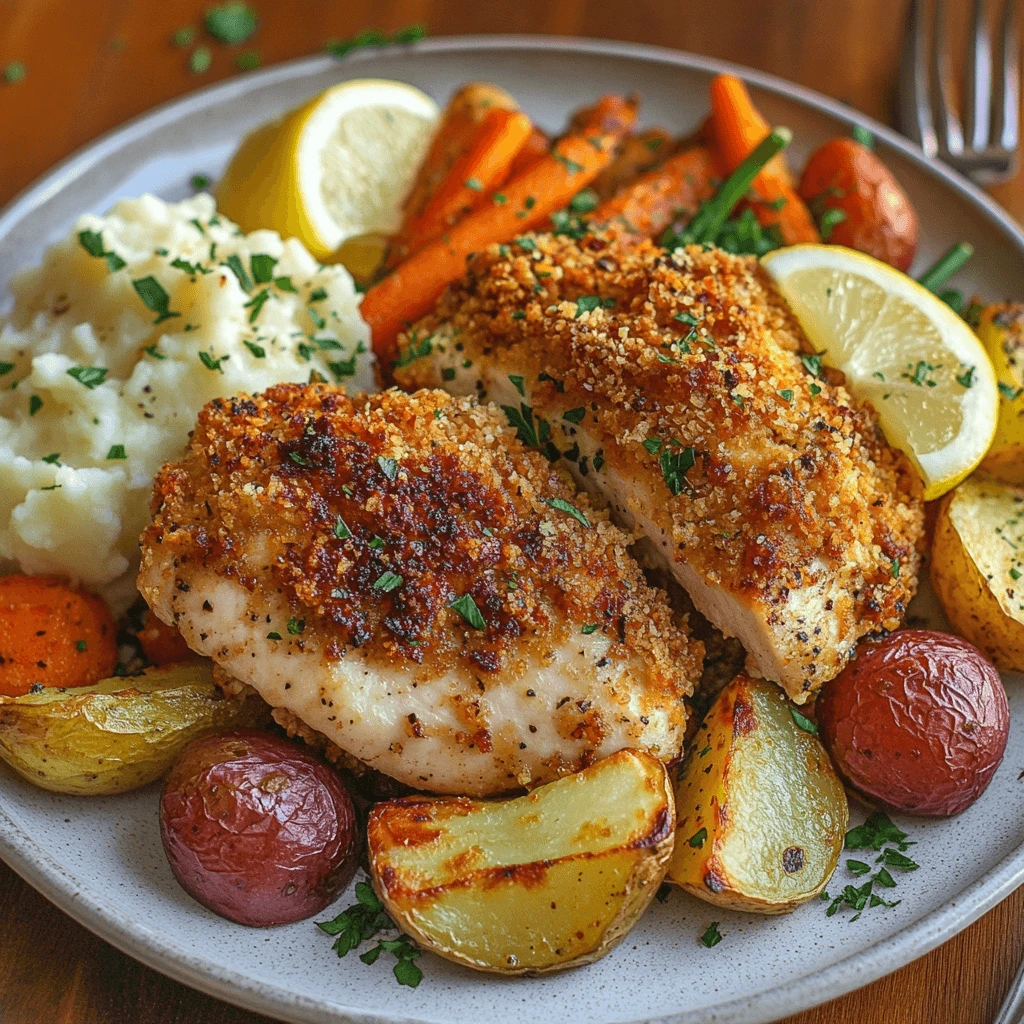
(985, 147)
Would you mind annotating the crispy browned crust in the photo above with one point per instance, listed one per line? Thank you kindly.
(464, 509)
(794, 483)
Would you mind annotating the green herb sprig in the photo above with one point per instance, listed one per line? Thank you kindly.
(364, 920)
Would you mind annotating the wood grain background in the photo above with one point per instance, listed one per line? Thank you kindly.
(92, 64)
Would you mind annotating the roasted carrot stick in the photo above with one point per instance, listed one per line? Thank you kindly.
(535, 148)
(410, 291)
(455, 134)
(53, 634)
(474, 176)
(738, 127)
(653, 201)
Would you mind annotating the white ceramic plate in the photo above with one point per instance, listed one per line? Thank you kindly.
(101, 860)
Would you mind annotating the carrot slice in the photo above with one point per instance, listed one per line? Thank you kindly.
(499, 137)
(52, 634)
(653, 201)
(637, 155)
(536, 147)
(163, 644)
(414, 286)
(738, 127)
(455, 134)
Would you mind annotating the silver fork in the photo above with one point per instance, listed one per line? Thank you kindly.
(985, 147)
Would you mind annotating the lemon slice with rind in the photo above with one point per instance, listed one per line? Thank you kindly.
(902, 349)
(336, 168)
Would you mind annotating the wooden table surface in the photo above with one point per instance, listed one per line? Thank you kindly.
(92, 64)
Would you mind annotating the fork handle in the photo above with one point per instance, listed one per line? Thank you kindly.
(1012, 1010)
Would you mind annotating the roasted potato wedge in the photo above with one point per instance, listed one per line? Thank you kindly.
(533, 884)
(1001, 330)
(761, 812)
(978, 566)
(119, 733)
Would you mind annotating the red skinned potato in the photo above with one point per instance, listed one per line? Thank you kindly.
(256, 829)
(877, 216)
(916, 723)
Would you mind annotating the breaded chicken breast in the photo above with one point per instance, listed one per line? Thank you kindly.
(673, 386)
(404, 577)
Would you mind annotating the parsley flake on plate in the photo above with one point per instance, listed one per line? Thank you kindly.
(388, 581)
(116, 452)
(199, 60)
(155, 298)
(564, 506)
(88, 376)
(230, 23)
(712, 936)
(92, 243)
(804, 722)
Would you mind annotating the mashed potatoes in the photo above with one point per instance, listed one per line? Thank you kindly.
(129, 327)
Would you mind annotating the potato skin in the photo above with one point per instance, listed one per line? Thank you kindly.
(971, 563)
(844, 175)
(120, 733)
(917, 723)
(256, 829)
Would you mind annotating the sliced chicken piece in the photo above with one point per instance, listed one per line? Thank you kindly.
(407, 579)
(673, 386)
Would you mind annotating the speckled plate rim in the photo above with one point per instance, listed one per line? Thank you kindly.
(38, 867)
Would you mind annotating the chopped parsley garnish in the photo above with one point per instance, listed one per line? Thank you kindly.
(786, 394)
(804, 722)
(567, 225)
(712, 936)
(256, 303)
(81, 645)
(585, 201)
(341, 530)
(296, 626)
(189, 268)
(35, 403)
(830, 220)
(92, 243)
(526, 243)
(564, 506)
(570, 165)
(257, 350)
(230, 23)
(518, 383)
(467, 608)
(262, 267)
(894, 568)
(234, 264)
(343, 367)
(285, 284)
(1011, 394)
(374, 37)
(318, 295)
(116, 452)
(389, 467)
(388, 581)
(298, 459)
(966, 379)
(812, 364)
(588, 303)
(590, 627)
(5, 368)
(89, 376)
(273, 636)
(248, 60)
(363, 921)
(199, 182)
(675, 466)
(200, 60)
(1015, 574)
(317, 319)
(210, 363)
(53, 459)
(877, 833)
(522, 420)
(14, 72)
(184, 36)
(698, 838)
(863, 136)
(418, 349)
(152, 293)
(574, 415)
(558, 385)
(475, 184)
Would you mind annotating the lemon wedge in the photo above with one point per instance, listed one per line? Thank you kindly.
(335, 168)
(902, 349)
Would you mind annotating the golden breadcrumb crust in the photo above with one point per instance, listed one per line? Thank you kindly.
(373, 515)
(667, 359)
